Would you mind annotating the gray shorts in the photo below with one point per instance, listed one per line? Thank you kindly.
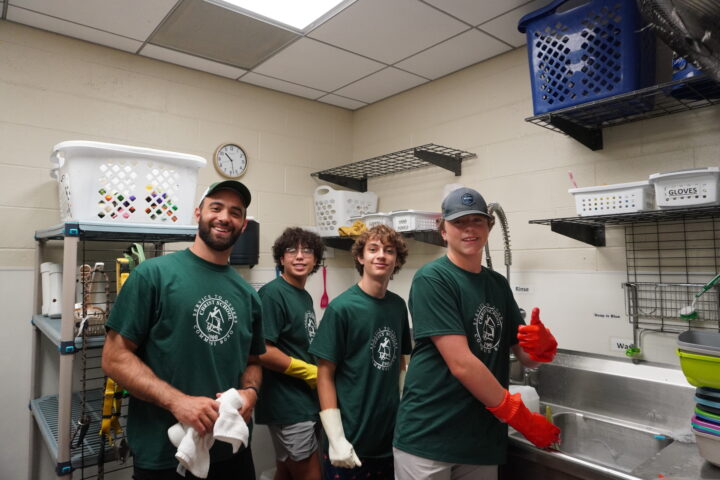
(295, 441)
(410, 467)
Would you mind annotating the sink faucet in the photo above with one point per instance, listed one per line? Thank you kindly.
(496, 210)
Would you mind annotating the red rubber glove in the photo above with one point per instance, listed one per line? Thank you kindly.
(532, 425)
(537, 340)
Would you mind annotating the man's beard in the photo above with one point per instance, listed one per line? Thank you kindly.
(214, 243)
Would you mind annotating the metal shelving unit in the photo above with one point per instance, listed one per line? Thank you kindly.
(670, 254)
(56, 414)
(432, 237)
(585, 122)
(355, 175)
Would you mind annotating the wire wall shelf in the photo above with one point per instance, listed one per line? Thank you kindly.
(667, 264)
(354, 175)
(585, 122)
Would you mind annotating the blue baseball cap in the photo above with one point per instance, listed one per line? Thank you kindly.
(464, 201)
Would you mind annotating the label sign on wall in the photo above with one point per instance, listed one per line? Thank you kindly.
(618, 344)
(522, 289)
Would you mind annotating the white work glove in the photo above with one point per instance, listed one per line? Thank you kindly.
(341, 452)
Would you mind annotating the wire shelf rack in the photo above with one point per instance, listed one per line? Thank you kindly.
(668, 262)
(354, 175)
(585, 122)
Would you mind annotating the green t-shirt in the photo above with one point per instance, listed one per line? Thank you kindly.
(289, 323)
(364, 336)
(438, 417)
(194, 323)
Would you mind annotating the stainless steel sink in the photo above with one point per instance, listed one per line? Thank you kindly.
(616, 445)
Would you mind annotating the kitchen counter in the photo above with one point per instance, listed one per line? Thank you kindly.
(677, 461)
(619, 421)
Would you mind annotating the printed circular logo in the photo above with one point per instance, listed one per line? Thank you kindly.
(467, 199)
(383, 348)
(215, 318)
(488, 324)
(310, 325)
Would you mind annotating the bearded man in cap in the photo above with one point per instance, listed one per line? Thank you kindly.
(453, 417)
(184, 328)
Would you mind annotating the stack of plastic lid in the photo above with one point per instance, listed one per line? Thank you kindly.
(700, 360)
(706, 423)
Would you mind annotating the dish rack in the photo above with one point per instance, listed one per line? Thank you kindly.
(668, 262)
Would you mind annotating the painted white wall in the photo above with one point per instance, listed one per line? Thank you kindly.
(54, 89)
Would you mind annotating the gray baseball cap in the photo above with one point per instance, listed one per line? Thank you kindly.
(234, 185)
(464, 201)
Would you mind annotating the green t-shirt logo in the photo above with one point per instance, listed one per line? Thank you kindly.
(215, 318)
(488, 324)
(384, 347)
(310, 325)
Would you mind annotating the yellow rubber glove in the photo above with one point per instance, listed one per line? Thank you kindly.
(302, 370)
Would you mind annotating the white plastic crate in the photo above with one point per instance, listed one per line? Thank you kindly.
(617, 198)
(104, 182)
(373, 219)
(685, 188)
(334, 208)
(410, 220)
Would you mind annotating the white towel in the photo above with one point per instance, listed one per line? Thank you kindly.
(230, 427)
(193, 451)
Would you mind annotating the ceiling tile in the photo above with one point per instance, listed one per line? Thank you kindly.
(26, 17)
(130, 18)
(281, 85)
(178, 58)
(476, 12)
(382, 84)
(209, 31)
(343, 102)
(316, 65)
(505, 26)
(387, 31)
(459, 52)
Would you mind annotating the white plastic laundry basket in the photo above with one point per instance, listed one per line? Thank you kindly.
(686, 188)
(104, 182)
(333, 208)
(609, 199)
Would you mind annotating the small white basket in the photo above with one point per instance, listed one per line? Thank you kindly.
(412, 220)
(685, 188)
(334, 208)
(609, 199)
(373, 219)
(104, 182)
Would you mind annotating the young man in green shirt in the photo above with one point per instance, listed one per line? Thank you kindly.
(360, 343)
(289, 404)
(184, 328)
(452, 418)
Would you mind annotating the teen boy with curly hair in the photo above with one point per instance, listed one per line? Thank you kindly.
(359, 344)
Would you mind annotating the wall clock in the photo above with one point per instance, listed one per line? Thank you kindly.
(230, 160)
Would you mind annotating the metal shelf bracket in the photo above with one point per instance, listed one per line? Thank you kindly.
(448, 162)
(590, 137)
(590, 234)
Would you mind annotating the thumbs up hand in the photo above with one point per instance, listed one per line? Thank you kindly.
(536, 340)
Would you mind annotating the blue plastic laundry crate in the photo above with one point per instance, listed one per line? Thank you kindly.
(581, 51)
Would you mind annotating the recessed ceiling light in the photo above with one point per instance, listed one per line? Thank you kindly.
(298, 14)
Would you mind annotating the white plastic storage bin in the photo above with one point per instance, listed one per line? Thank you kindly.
(410, 220)
(334, 208)
(617, 198)
(104, 182)
(686, 188)
(373, 219)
